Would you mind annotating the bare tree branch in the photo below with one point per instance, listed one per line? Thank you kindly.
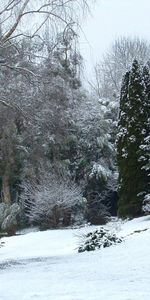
(19, 69)
(14, 107)
(13, 28)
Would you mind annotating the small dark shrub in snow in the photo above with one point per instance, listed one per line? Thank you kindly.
(97, 239)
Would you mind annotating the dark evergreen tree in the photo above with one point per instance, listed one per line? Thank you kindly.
(133, 179)
(144, 150)
(145, 145)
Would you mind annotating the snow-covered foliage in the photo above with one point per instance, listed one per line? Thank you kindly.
(145, 147)
(100, 238)
(95, 161)
(96, 132)
(100, 171)
(51, 200)
(133, 140)
(146, 204)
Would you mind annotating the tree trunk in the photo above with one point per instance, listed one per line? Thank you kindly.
(6, 189)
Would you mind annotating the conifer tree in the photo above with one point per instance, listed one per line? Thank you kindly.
(145, 145)
(133, 179)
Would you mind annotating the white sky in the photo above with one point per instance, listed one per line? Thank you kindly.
(111, 19)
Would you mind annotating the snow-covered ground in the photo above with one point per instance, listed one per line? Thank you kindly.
(47, 266)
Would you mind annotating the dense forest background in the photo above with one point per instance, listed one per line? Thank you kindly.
(69, 155)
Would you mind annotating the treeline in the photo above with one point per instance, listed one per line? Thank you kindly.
(59, 160)
(56, 149)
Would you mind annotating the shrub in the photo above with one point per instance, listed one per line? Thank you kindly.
(100, 238)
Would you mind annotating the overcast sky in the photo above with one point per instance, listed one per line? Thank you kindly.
(111, 19)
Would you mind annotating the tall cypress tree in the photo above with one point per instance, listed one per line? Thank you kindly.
(133, 179)
(144, 150)
(145, 145)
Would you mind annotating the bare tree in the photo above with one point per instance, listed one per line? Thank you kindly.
(115, 63)
(27, 18)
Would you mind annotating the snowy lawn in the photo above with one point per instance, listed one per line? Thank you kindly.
(47, 266)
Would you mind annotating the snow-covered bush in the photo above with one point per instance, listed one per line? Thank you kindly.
(9, 215)
(146, 204)
(100, 171)
(100, 238)
(52, 202)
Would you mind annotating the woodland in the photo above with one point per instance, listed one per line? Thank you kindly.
(70, 153)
